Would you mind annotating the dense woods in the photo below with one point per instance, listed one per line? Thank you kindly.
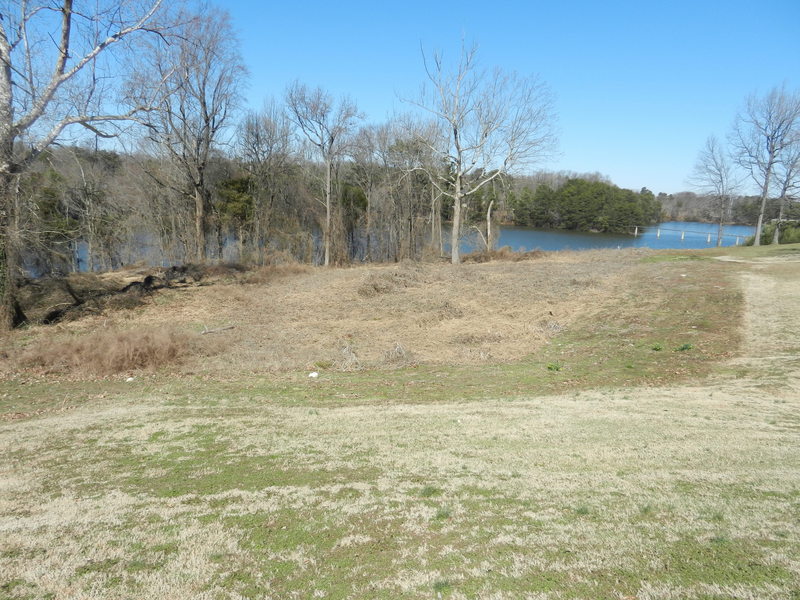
(584, 205)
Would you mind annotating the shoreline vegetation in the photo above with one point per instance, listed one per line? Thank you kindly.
(83, 222)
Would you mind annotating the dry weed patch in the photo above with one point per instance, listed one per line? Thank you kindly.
(440, 315)
(109, 352)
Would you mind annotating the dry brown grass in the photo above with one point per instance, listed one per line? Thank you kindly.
(505, 253)
(109, 352)
(439, 314)
(269, 273)
(287, 316)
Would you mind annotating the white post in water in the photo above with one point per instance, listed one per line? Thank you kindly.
(708, 241)
(737, 240)
(658, 233)
(683, 235)
(636, 231)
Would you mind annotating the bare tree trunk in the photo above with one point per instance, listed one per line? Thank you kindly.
(455, 254)
(326, 233)
(433, 216)
(368, 225)
(439, 230)
(764, 194)
(11, 314)
(777, 235)
(489, 241)
(8, 254)
(200, 224)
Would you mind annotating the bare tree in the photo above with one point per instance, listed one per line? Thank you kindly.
(372, 169)
(326, 125)
(761, 134)
(264, 149)
(52, 76)
(203, 73)
(787, 174)
(487, 123)
(714, 176)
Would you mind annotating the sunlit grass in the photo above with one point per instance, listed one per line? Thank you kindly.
(626, 473)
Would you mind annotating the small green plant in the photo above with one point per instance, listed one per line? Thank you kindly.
(684, 348)
(719, 539)
(657, 347)
(582, 510)
(428, 491)
(554, 366)
(323, 364)
(441, 585)
(443, 513)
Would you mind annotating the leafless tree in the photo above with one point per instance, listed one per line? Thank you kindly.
(714, 176)
(374, 172)
(203, 73)
(53, 75)
(762, 132)
(486, 123)
(327, 125)
(787, 176)
(265, 151)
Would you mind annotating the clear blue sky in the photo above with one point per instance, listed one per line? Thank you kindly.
(638, 85)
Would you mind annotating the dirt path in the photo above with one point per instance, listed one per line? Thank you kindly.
(772, 323)
(768, 368)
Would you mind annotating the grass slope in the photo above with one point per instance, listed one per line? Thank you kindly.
(616, 461)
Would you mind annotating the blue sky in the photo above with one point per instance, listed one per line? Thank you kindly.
(638, 85)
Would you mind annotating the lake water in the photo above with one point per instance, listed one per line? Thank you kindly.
(671, 234)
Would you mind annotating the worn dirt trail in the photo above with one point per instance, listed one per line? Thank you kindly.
(771, 325)
(768, 367)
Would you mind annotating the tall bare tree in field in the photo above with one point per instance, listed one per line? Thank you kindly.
(59, 64)
(203, 72)
(487, 123)
(326, 124)
(714, 176)
(762, 133)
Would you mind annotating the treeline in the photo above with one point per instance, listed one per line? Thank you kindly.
(82, 209)
(739, 210)
(583, 205)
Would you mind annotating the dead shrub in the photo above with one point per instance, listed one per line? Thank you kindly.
(127, 301)
(269, 273)
(397, 355)
(439, 311)
(280, 258)
(384, 282)
(502, 254)
(375, 284)
(109, 352)
(222, 270)
(349, 360)
(474, 339)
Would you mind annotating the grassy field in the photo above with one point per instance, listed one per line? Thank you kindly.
(644, 444)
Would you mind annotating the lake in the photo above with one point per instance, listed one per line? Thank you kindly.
(670, 234)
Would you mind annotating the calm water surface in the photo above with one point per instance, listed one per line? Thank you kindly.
(670, 234)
